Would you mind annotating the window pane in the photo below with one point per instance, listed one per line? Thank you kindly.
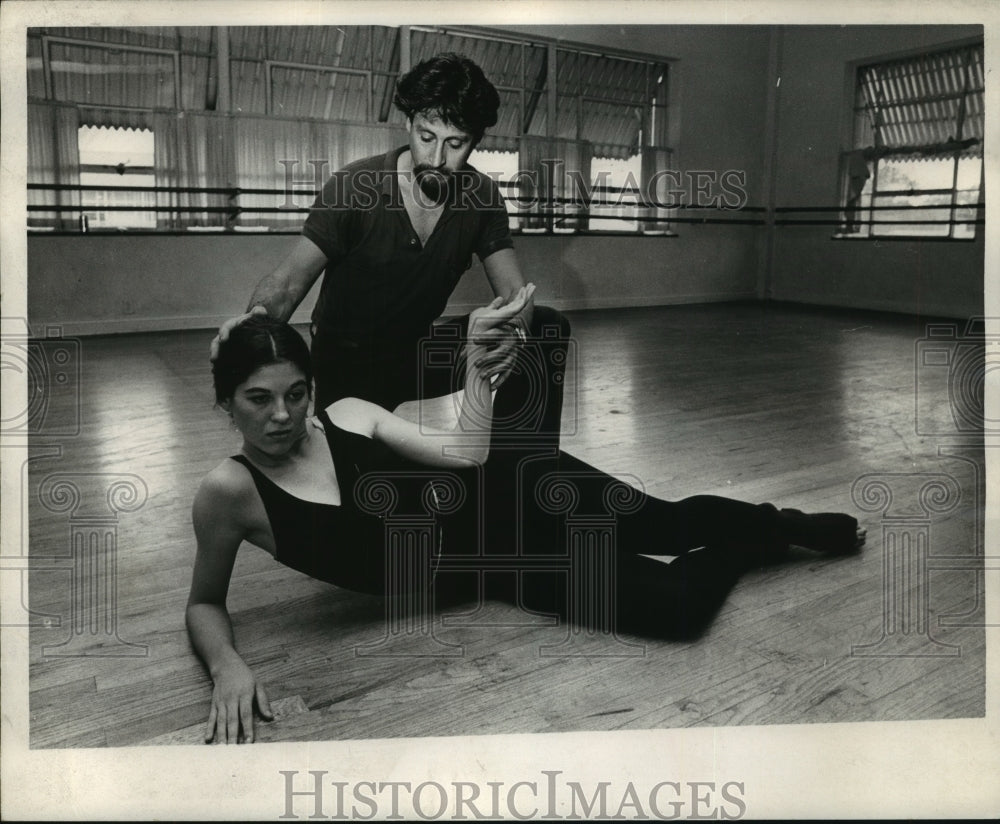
(902, 174)
(120, 150)
(248, 85)
(36, 74)
(95, 203)
(103, 146)
(615, 183)
(502, 167)
(509, 118)
(930, 101)
(937, 225)
(657, 127)
(970, 172)
(535, 81)
(613, 128)
(325, 95)
(115, 77)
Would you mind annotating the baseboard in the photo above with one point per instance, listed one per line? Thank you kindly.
(877, 305)
(124, 326)
(610, 302)
(127, 325)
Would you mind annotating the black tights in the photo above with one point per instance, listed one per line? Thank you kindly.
(533, 500)
(562, 501)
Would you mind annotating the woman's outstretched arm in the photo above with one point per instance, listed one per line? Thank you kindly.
(489, 353)
(235, 687)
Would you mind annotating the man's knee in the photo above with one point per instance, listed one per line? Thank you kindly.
(547, 322)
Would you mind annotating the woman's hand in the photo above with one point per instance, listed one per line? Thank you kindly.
(491, 323)
(233, 698)
(493, 335)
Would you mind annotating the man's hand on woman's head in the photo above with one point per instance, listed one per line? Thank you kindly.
(231, 324)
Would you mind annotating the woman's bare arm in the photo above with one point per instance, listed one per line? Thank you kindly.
(219, 536)
(486, 355)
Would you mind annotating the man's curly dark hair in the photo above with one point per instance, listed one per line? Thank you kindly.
(449, 86)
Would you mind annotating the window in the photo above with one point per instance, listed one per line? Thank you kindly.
(308, 91)
(615, 190)
(115, 158)
(916, 165)
(579, 143)
(517, 68)
(343, 73)
(588, 130)
(502, 167)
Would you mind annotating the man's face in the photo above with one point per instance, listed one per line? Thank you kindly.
(438, 151)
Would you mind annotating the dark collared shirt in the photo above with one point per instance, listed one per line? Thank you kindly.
(380, 283)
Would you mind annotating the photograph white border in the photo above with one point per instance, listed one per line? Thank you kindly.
(895, 769)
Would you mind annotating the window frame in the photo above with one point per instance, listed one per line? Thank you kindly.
(135, 179)
(660, 120)
(48, 40)
(858, 220)
(559, 213)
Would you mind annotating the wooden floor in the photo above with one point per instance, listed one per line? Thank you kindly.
(779, 403)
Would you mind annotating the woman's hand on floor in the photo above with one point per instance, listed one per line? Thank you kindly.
(233, 698)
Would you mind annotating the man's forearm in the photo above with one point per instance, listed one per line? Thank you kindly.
(283, 290)
(274, 296)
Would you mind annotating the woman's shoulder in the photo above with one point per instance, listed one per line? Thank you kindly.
(223, 512)
(226, 489)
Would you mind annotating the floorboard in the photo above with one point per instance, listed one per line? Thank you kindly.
(764, 402)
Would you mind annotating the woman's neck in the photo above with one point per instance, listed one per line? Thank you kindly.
(295, 451)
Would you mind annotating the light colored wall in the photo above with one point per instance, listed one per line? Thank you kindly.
(96, 284)
(924, 277)
(103, 284)
(717, 83)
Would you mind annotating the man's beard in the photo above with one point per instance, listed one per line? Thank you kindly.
(434, 183)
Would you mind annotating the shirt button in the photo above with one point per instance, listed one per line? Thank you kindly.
(413, 241)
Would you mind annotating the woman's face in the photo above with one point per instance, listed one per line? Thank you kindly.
(269, 408)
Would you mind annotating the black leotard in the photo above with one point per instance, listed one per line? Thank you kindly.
(340, 544)
(346, 544)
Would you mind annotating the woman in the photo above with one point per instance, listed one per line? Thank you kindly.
(293, 490)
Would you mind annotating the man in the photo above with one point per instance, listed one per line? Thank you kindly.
(394, 233)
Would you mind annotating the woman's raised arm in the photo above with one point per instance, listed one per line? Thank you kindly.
(219, 535)
(489, 354)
